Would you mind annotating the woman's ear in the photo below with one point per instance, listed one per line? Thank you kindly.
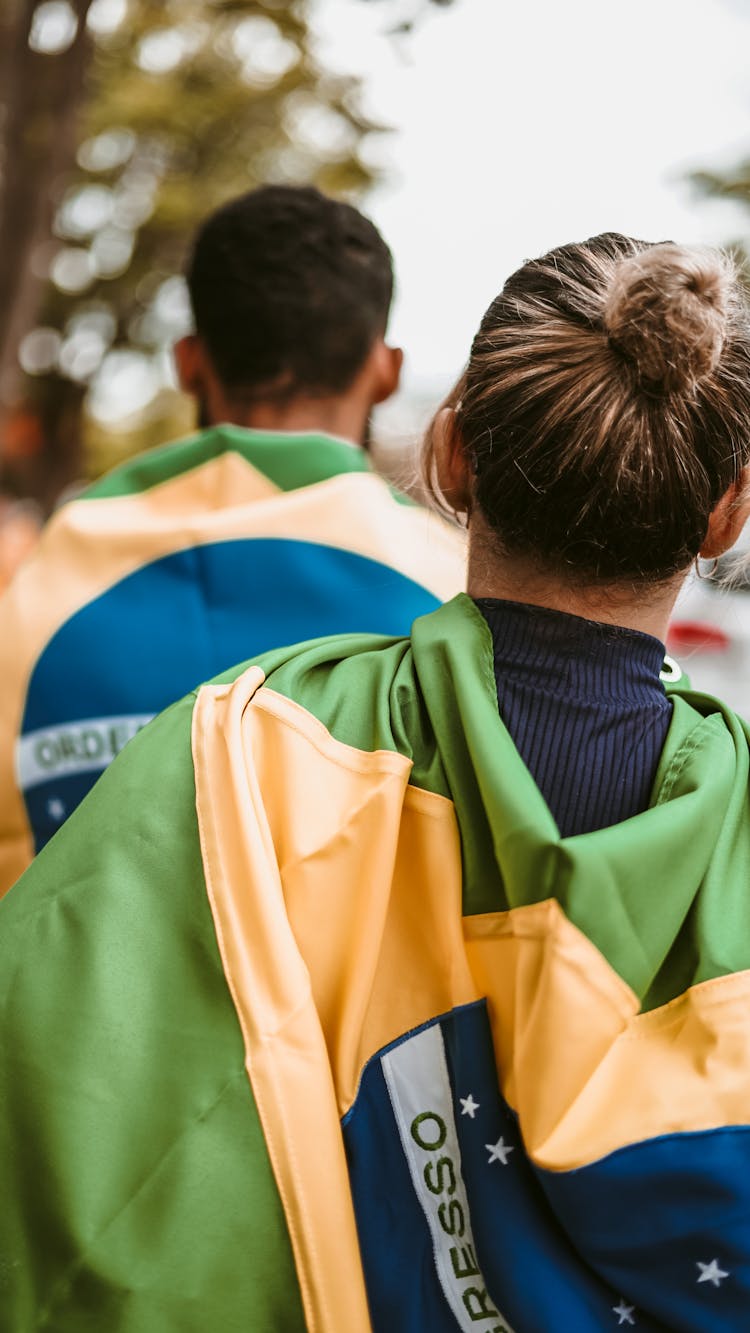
(452, 471)
(728, 518)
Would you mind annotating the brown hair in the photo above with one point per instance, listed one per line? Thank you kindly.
(605, 408)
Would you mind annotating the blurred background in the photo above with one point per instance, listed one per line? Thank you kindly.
(476, 134)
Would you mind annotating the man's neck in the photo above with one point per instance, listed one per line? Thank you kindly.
(345, 418)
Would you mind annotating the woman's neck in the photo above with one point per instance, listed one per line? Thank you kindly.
(636, 606)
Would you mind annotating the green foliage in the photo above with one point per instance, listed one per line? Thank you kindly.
(185, 103)
(190, 103)
(733, 184)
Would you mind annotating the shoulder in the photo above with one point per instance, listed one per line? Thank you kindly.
(357, 686)
(156, 465)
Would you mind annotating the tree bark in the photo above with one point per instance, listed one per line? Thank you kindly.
(41, 98)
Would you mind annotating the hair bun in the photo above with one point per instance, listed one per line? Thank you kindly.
(666, 313)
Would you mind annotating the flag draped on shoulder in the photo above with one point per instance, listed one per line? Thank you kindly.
(176, 565)
(327, 1028)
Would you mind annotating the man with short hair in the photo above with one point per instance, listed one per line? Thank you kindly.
(249, 535)
(290, 293)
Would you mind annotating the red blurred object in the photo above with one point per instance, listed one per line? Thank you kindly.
(686, 634)
(23, 436)
(20, 525)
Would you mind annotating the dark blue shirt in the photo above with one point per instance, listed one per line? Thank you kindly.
(585, 707)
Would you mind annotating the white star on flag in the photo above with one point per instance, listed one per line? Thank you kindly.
(499, 1151)
(624, 1312)
(55, 808)
(711, 1273)
(468, 1105)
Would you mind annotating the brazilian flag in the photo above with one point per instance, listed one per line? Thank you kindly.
(181, 562)
(311, 1020)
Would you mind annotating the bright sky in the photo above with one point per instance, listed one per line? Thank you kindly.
(519, 126)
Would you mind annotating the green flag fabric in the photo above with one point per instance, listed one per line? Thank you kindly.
(312, 1020)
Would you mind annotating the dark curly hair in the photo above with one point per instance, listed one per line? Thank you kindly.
(289, 290)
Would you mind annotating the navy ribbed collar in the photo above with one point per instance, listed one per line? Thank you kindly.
(568, 654)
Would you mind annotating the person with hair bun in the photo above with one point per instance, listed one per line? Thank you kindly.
(407, 986)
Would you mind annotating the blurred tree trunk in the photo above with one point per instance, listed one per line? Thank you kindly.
(43, 441)
(42, 95)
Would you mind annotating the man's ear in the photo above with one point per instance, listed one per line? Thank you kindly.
(386, 371)
(452, 471)
(728, 518)
(189, 359)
